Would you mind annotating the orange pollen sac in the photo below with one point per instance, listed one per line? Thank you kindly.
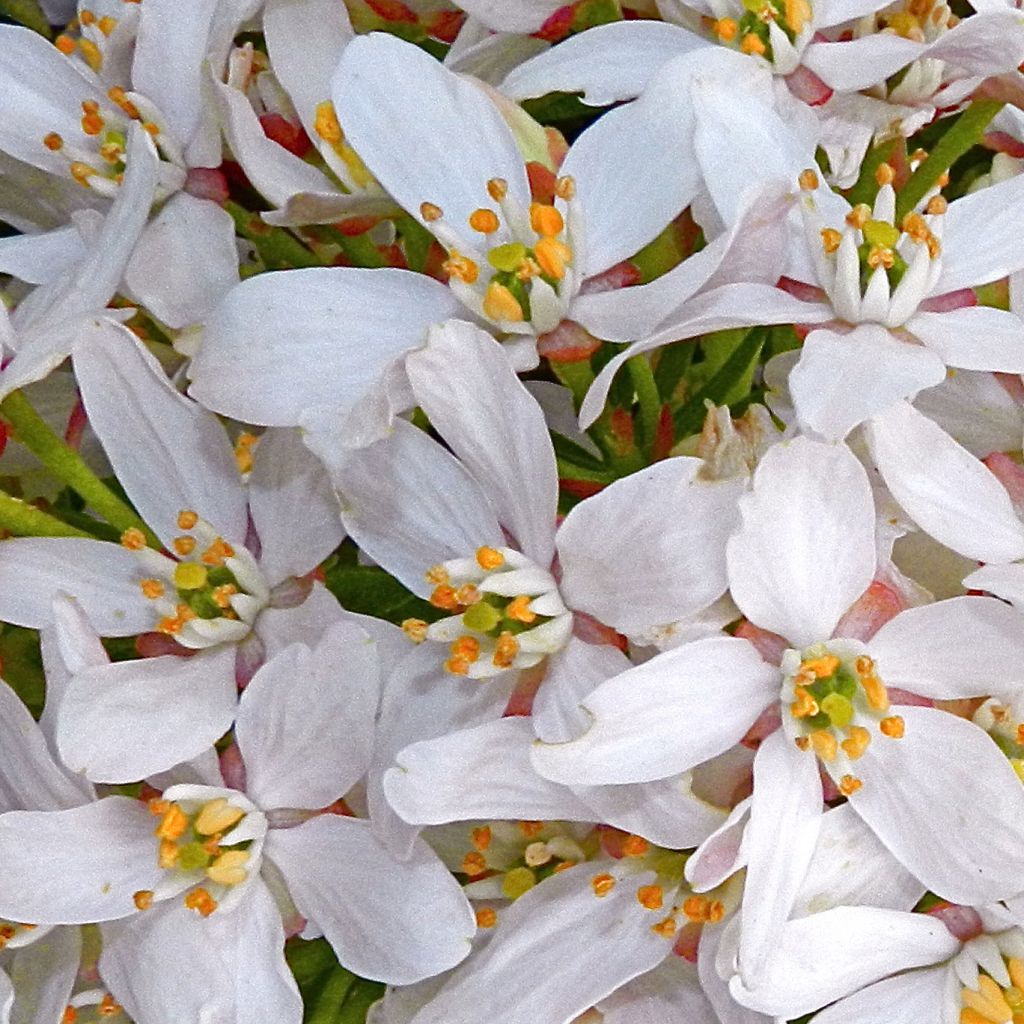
(505, 650)
(143, 899)
(87, 17)
(497, 189)
(602, 884)
(222, 595)
(1020, 729)
(881, 256)
(82, 172)
(467, 647)
(69, 1016)
(201, 901)
(531, 828)
(107, 24)
(481, 837)
(859, 216)
(444, 597)
(457, 666)
(892, 727)
(152, 127)
(489, 558)
(553, 256)
(651, 896)
(716, 911)
(152, 589)
(501, 304)
(461, 267)
(802, 743)
(545, 220)
(635, 846)
(184, 545)
(133, 539)
(752, 45)
(726, 29)
(108, 1007)
(857, 742)
(92, 124)
(187, 519)
(53, 141)
(157, 807)
(849, 784)
(697, 909)
(884, 174)
(170, 626)
(118, 96)
(937, 205)
(415, 630)
(65, 44)
(934, 246)
(486, 917)
(864, 666)
(473, 864)
(468, 594)
(485, 221)
(430, 212)
(830, 239)
(876, 693)
(824, 744)
(437, 575)
(172, 824)
(217, 552)
(565, 187)
(808, 179)
(914, 225)
(805, 705)
(822, 667)
(168, 854)
(518, 609)
(666, 928)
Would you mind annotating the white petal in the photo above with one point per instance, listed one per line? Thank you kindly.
(464, 383)
(919, 994)
(649, 549)
(659, 718)
(785, 817)
(806, 550)
(430, 136)
(860, 63)
(669, 994)
(170, 453)
(809, 969)
(973, 338)
(606, 64)
(344, 880)
(40, 258)
(483, 772)
(44, 973)
(79, 865)
(166, 272)
(952, 649)
(943, 488)
(297, 759)
(103, 577)
(287, 486)
(272, 354)
(1005, 581)
(843, 379)
(130, 719)
(523, 16)
(955, 822)
(610, 938)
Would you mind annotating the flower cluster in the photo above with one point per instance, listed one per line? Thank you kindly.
(512, 512)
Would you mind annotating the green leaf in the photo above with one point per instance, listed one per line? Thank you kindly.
(371, 591)
(27, 13)
(729, 385)
(330, 993)
(23, 666)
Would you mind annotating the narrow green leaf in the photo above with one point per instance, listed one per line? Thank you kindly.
(371, 591)
(27, 13)
(23, 665)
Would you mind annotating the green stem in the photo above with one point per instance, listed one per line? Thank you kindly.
(967, 131)
(31, 430)
(576, 376)
(361, 250)
(568, 470)
(646, 388)
(24, 520)
(278, 248)
(866, 187)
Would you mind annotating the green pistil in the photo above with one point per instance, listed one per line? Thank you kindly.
(834, 695)
(517, 882)
(201, 599)
(489, 616)
(192, 857)
(895, 272)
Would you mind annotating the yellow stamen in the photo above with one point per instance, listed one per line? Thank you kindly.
(489, 558)
(429, 212)
(751, 44)
(167, 855)
(217, 816)
(108, 1007)
(82, 172)
(808, 180)
(875, 691)
(545, 220)
(602, 884)
(467, 647)
(726, 29)
(481, 837)
(830, 239)
(473, 864)
(849, 784)
(501, 304)
(457, 666)
(486, 917)
(152, 589)
(635, 846)
(937, 205)
(107, 24)
(244, 451)
(798, 14)
(553, 257)
(187, 519)
(824, 744)
(437, 575)
(444, 598)
(881, 256)
(651, 896)
(461, 267)
(201, 901)
(892, 727)
(415, 630)
(497, 189)
(805, 705)
(857, 742)
(666, 929)
(184, 545)
(217, 552)
(485, 221)
(518, 609)
(505, 651)
(222, 595)
(325, 123)
(173, 823)
(143, 899)
(859, 216)
(822, 667)
(118, 96)
(229, 868)
(91, 53)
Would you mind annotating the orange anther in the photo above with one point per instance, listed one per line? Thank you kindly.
(481, 837)
(65, 44)
(849, 784)
(830, 239)
(635, 846)
(143, 899)
(884, 174)
(530, 829)
(892, 727)
(200, 900)
(468, 594)
(651, 896)
(458, 666)
(822, 667)
(217, 552)
(505, 651)
(518, 609)
(108, 1007)
(486, 917)
(489, 558)
(545, 220)
(53, 141)
(485, 221)
(415, 630)
(857, 742)
(602, 884)
(553, 257)
(824, 744)
(172, 824)
(152, 588)
(876, 693)
(726, 29)
(497, 189)
(565, 187)
(666, 928)
(461, 267)
(937, 205)
(697, 908)
(467, 647)
(184, 545)
(473, 864)
(187, 519)
(805, 705)
(430, 212)
(751, 44)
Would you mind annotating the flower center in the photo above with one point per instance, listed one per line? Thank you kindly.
(998, 995)
(506, 613)
(871, 270)
(210, 595)
(836, 702)
(515, 267)
(15, 933)
(204, 848)
(777, 30)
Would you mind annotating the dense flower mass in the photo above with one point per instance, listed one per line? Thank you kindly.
(512, 511)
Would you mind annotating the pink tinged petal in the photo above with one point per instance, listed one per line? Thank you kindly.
(410, 505)
(29, 777)
(943, 488)
(390, 920)
(649, 549)
(170, 453)
(636, 734)
(852, 867)
(79, 865)
(732, 305)
(1010, 475)
(954, 822)
(809, 968)
(972, 255)
(289, 485)
(963, 647)
(464, 383)
(921, 995)
(610, 937)
(124, 721)
(103, 577)
(785, 818)
(973, 338)
(43, 974)
(272, 354)
(166, 272)
(806, 550)
(860, 63)
(872, 610)
(297, 759)
(483, 772)
(843, 379)
(607, 64)
(722, 853)
(431, 137)
(669, 994)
